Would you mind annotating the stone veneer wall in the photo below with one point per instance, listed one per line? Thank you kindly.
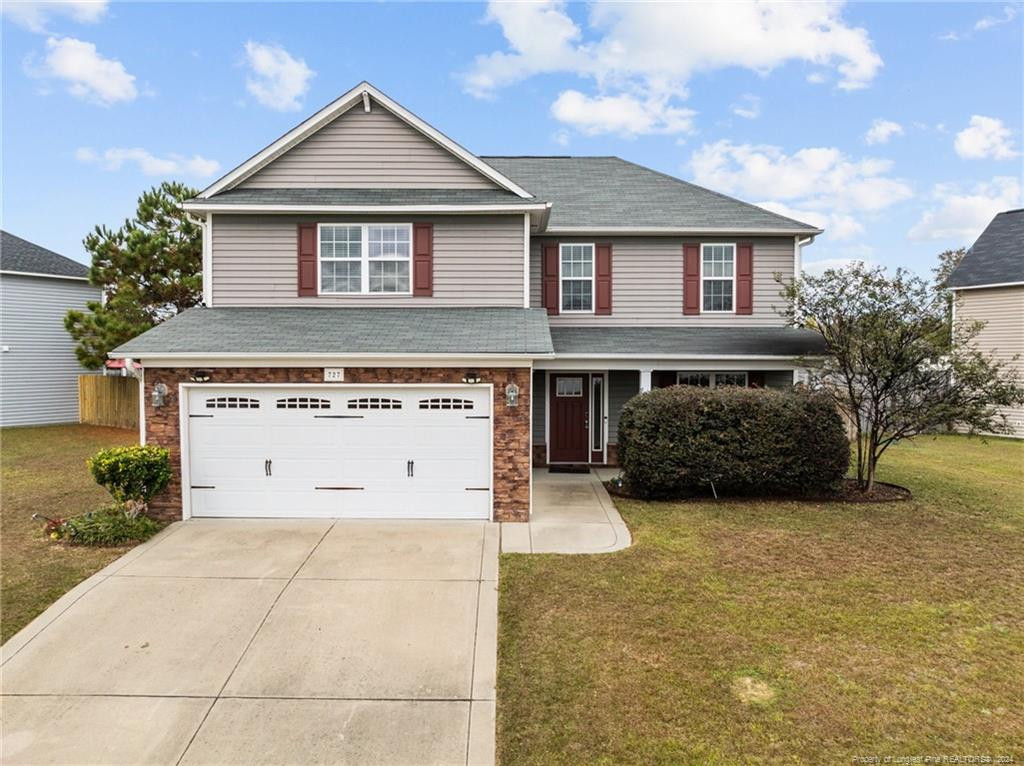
(511, 424)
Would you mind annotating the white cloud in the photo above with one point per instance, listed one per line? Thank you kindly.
(882, 130)
(817, 185)
(150, 165)
(817, 268)
(985, 137)
(962, 215)
(277, 79)
(625, 115)
(988, 22)
(748, 106)
(647, 53)
(36, 15)
(840, 226)
(817, 78)
(87, 74)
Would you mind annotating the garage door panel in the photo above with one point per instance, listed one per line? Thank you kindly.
(355, 466)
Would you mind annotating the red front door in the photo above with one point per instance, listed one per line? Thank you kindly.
(569, 428)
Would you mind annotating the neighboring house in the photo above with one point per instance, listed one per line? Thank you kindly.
(988, 286)
(38, 369)
(394, 326)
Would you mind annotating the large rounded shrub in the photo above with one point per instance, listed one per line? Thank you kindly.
(677, 441)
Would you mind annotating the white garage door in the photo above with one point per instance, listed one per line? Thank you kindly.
(355, 452)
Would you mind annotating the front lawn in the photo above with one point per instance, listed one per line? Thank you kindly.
(736, 633)
(44, 471)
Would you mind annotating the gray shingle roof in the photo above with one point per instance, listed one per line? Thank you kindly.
(685, 341)
(998, 255)
(346, 331)
(364, 197)
(589, 192)
(17, 254)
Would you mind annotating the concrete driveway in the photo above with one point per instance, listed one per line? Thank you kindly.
(258, 641)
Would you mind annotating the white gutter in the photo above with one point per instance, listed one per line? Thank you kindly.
(751, 357)
(47, 276)
(984, 287)
(678, 230)
(215, 207)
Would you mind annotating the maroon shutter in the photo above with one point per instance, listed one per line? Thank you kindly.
(745, 278)
(307, 259)
(423, 259)
(603, 279)
(549, 283)
(691, 279)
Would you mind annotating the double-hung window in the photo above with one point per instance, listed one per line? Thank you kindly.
(718, 278)
(365, 258)
(576, 278)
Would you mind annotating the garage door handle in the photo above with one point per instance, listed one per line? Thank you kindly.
(410, 468)
(267, 468)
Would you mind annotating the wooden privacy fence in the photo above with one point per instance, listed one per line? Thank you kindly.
(108, 401)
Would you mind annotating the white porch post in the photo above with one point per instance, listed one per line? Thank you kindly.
(645, 380)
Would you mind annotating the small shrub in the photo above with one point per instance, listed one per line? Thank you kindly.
(677, 441)
(132, 474)
(110, 525)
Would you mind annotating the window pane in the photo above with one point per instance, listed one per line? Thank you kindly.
(700, 379)
(341, 241)
(730, 379)
(389, 277)
(577, 295)
(718, 260)
(340, 276)
(569, 387)
(717, 295)
(389, 241)
(577, 261)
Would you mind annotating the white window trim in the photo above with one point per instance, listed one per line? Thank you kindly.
(713, 376)
(593, 277)
(364, 259)
(717, 244)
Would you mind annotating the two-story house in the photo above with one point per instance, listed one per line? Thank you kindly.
(395, 327)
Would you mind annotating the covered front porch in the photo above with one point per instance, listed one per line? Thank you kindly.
(576, 409)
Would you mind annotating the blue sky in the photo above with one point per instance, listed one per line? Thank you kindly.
(896, 126)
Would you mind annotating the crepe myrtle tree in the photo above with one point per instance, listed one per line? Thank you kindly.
(150, 269)
(892, 366)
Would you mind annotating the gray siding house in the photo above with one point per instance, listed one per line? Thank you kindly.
(988, 286)
(38, 369)
(396, 327)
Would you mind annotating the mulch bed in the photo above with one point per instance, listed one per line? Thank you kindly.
(848, 492)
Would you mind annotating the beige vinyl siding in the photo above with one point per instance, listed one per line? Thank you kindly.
(1002, 309)
(361, 150)
(647, 282)
(38, 370)
(478, 261)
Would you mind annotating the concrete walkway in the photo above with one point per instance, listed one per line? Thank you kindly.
(259, 641)
(572, 513)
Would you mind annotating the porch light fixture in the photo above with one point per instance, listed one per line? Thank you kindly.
(159, 396)
(471, 376)
(200, 376)
(512, 395)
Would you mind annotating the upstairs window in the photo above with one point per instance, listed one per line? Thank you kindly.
(718, 278)
(576, 277)
(365, 258)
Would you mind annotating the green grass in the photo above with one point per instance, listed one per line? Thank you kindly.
(42, 470)
(881, 629)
